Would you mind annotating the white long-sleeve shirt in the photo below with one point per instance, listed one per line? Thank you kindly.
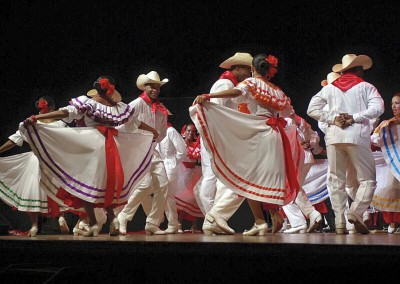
(172, 148)
(362, 101)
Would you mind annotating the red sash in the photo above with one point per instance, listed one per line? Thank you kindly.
(115, 173)
(291, 173)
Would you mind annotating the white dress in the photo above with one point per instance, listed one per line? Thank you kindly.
(247, 154)
(77, 159)
(20, 183)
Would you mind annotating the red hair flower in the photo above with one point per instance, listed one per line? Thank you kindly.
(106, 85)
(272, 60)
(43, 106)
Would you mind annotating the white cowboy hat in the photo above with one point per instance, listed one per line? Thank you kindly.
(150, 78)
(352, 60)
(116, 97)
(238, 59)
(330, 78)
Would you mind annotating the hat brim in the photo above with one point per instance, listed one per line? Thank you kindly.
(116, 97)
(143, 80)
(360, 60)
(245, 60)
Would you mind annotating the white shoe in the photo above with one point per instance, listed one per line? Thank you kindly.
(296, 230)
(358, 222)
(33, 231)
(211, 228)
(222, 224)
(151, 229)
(391, 230)
(284, 225)
(180, 229)
(84, 226)
(257, 230)
(63, 225)
(315, 219)
(122, 224)
(171, 230)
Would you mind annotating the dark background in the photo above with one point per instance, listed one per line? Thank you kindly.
(61, 47)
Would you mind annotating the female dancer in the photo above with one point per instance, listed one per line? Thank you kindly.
(20, 185)
(387, 198)
(258, 162)
(95, 163)
(189, 173)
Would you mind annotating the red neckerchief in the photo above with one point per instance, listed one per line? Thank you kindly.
(230, 76)
(169, 125)
(154, 105)
(347, 81)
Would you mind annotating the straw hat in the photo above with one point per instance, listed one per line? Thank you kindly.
(238, 59)
(116, 97)
(330, 78)
(352, 60)
(150, 78)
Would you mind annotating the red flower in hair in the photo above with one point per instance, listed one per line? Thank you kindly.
(43, 106)
(106, 85)
(272, 60)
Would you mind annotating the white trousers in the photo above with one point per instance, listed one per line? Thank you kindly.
(227, 203)
(364, 164)
(156, 182)
(206, 189)
(301, 206)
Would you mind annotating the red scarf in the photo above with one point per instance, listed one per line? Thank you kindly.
(347, 81)
(154, 105)
(230, 76)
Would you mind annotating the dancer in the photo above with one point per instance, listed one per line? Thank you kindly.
(387, 198)
(189, 175)
(172, 150)
(239, 166)
(209, 189)
(91, 166)
(352, 103)
(150, 110)
(20, 185)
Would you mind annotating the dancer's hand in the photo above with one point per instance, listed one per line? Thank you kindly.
(201, 99)
(30, 120)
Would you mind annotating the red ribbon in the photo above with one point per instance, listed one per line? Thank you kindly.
(347, 81)
(291, 173)
(154, 105)
(115, 173)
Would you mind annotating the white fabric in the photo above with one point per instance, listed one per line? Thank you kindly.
(76, 158)
(23, 185)
(387, 197)
(249, 140)
(362, 101)
(205, 190)
(155, 181)
(185, 199)
(19, 183)
(172, 150)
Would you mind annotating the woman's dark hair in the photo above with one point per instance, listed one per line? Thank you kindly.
(261, 65)
(96, 85)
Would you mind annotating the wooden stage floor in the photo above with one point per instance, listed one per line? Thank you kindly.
(197, 258)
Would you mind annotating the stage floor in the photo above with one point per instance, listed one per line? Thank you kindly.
(199, 258)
